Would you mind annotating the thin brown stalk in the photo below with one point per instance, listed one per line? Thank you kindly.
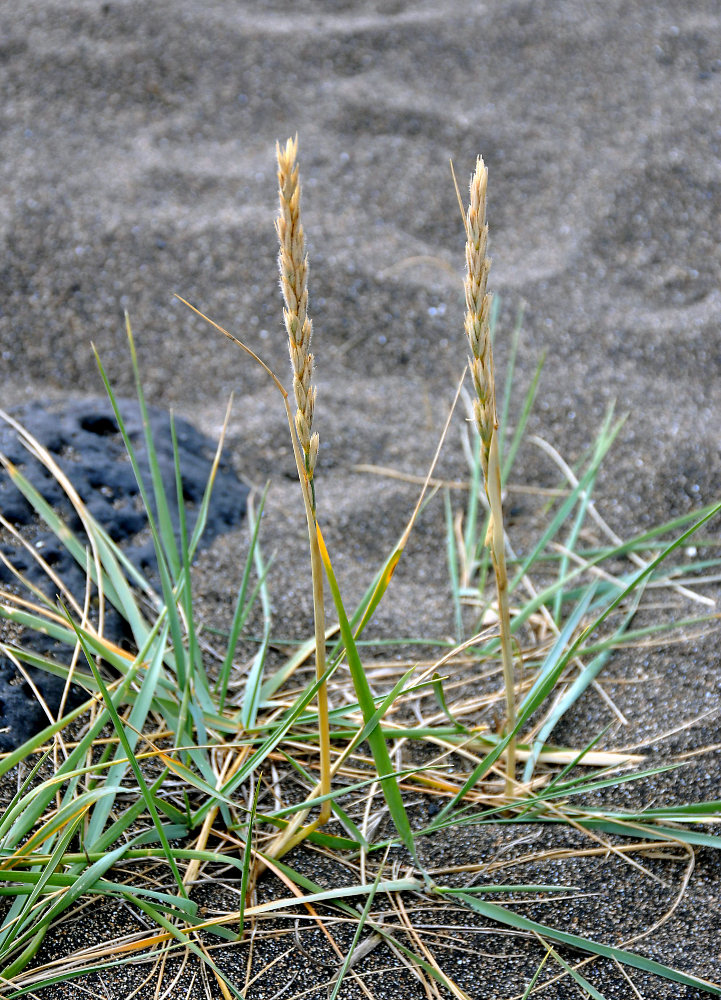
(477, 326)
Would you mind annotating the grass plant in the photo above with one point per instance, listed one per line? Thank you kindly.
(177, 772)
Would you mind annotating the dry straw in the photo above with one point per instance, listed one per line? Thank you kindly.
(477, 326)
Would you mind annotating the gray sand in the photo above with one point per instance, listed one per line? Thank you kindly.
(138, 161)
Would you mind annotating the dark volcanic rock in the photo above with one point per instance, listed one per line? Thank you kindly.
(83, 438)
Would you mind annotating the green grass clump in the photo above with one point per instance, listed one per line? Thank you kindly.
(159, 781)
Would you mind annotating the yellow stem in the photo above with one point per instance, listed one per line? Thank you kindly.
(292, 835)
(498, 554)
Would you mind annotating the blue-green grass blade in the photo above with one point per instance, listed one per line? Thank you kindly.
(267, 746)
(28, 780)
(375, 738)
(126, 603)
(642, 575)
(140, 853)
(579, 685)
(254, 681)
(102, 967)
(340, 893)
(437, 682)
(604, 442)
(82, 884)
(32, 883)
(630, 636)
(536, 974)
(195, 663)
(533, 700)
(111, 654)
(202, 518)
(520, 430)
(532, 808)
(359, 841)
(164, 569)
(122, 735)
(43, 509)
(356, 936)
(452, 560)
(125, 820)
(536, 696)
(490, 890)
(75, 759)
(164, 521)
(114, 584)
(185, 939)
(573, 973)
(136, 721)
(11, 928)
(558, 778)
(37, 623)
(246, 859)
(584, 500)
(17, 822)
(559, 650)
(636, 826)
(492, 911)
(281, 675)
(330, 840)
(340, 791)
(242, 610)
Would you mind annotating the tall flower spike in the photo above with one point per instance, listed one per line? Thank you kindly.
(477, 325)
(293, 266)
(478, 309)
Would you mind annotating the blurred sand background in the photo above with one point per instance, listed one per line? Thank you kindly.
(138, 160)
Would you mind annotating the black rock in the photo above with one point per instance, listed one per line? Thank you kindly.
(84, 440)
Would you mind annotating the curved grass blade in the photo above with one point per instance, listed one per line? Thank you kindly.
(375, 737)
(252, 696)
(453, 572)
(80, 886)
(136, 721)
(538, 693)
(120, 730)
(579, 685)
(173, 931)
(241, 611)
(340, 975)
(573, 973)
(492, 911)
(246, 859)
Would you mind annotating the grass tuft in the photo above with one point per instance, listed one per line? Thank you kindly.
(192, 768)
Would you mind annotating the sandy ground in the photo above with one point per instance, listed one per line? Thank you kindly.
(138, 161)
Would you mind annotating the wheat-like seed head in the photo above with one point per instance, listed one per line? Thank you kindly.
(478, 308)
(293, 266)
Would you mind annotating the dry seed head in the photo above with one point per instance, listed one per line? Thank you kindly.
(293, 266)
(478, 308)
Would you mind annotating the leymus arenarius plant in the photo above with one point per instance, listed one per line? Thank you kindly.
(477, 326)
(293, 265)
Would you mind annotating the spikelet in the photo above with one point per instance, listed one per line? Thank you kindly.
(478, 308)
(477, 325)
(293, 266)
